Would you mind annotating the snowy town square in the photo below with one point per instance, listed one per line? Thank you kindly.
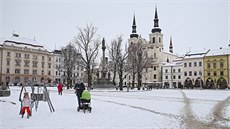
(114, 109)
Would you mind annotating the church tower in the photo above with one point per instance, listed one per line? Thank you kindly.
(171, 46)
(134, 37)
(156, 40)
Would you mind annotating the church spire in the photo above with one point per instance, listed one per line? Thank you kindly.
(156, 23)
(134, 31)
(171, 46)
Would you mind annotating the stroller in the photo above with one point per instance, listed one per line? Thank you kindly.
(85, 101)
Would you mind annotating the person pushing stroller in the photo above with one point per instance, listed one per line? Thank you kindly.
(79, 88)
(85, 101)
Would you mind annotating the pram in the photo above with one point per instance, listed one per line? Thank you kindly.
(85, 101)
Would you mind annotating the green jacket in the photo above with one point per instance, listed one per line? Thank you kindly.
(86, 95)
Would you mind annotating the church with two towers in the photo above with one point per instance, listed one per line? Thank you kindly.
(154, 47)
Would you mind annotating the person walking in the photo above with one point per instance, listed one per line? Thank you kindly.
(79, 88)
(60, 88)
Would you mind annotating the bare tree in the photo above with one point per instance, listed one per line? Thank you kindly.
(70, 57)
(132, 60)
(114, 51)
(88, 44)
(137, 60)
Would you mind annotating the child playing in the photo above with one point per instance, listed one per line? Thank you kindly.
(26, 101)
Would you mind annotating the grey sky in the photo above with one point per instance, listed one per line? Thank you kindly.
(194, 24)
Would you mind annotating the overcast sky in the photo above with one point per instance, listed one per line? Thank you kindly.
(193, 24)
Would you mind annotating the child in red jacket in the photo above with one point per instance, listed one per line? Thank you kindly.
(26, 101)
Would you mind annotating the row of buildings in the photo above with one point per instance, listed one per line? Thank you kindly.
(203, 69)
(23, 60)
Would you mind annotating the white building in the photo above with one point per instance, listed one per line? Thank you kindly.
(60, 74)
(193, 69)
(172, 74)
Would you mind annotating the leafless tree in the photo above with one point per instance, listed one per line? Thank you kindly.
(138, 60)
(114, 51)
(121, 57)
(88, 43)
(70, 57)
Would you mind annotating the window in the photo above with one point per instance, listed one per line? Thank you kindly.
(35, 72)
(221, 64)
(43, 64)
(82, 68)
(185, 73)
(221, 73)
(214, 65)
(194, 64)
(179, 77)
(17, 62)
(42, 72)
(190, 73)
(49, 65)
(185, 64)
(26, 56)
(8, 62)
(166, 71)
(18, 55)
(35, 63)
(153, 39)
(17, 71)
(26, 63)
(200, 63)
(179, 71)
(200, 73)
(195, 73)
(190, 64)
(43, 58)
(154, 68)
(155, 76)
(26, 71)
(208, 73)
(49, 58)
(208, 65)
(155, 55)
(174, 70)
(166, 77)
(7, 70)
(174, 77)
(214, 73)
(8, 54)
(159, 39)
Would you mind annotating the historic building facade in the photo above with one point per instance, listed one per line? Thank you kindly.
(193, 65)
(155, 53)
(23, 61)
(172, 74)
(216, 68)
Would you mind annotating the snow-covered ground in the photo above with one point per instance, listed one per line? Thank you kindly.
(111, 109)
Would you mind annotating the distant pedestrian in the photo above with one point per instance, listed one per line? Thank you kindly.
(60, 88)
(79, 88)
(26, 102)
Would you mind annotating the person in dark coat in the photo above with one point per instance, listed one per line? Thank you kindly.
(79, 88)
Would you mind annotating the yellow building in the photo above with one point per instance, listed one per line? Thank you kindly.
(216, 68)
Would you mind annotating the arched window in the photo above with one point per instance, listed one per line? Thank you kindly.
(153, 39)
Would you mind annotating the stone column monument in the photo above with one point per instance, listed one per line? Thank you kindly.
(103, 81)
